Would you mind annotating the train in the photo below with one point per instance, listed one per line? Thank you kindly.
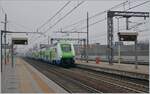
(60, 53)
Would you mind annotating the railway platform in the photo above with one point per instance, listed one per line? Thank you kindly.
(23, 78)
(142, 72)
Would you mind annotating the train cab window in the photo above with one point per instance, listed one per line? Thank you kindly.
(66, 47)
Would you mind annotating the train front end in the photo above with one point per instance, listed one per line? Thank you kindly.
(67, 54)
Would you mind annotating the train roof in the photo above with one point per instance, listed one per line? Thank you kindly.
(61, 42)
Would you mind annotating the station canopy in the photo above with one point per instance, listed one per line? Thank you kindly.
(128, 35)
(20, 41)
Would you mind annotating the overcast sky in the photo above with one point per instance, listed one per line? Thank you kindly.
(26, 15)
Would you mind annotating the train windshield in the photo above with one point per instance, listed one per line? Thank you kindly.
(66, 47)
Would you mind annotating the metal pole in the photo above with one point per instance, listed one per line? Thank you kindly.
(119, 56)
(12, 55)
(87, 36)
(110, 37)
(1, 52)
(78, 45)
(51, 41)
(127, 23)
(84, 48)
(136, 63)
(5, 29)
(48, 40)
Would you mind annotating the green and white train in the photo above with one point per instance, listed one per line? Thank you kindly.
(61, 53)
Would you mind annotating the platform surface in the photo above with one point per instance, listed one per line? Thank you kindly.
(143, 69)
(24, 78)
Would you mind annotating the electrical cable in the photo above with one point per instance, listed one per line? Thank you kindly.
(107, 10)
(97, 14)
(65, 16)
(55, 14)
(113, 7)
(17, 24)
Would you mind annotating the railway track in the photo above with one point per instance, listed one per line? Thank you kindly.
(80, 80)
(143, 82)
(119, 84)
(70, 85)
(122, 83)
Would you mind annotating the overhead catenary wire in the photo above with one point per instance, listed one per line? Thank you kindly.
(138, 24)
(131, 8)
(20, 25)
(139, 5)
(109, 9)
(97, 14)
(63, 17)
(55, 14)
(63, 7)
(102, 35)
(106, 12)
(106, 18)
(103, 12)
(101, 20)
